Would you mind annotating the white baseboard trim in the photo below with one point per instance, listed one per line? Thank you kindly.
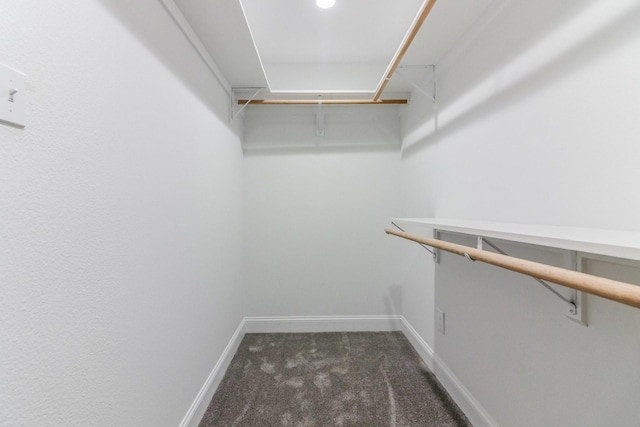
(292, 324)
(200, 404)
(422, 348)
(463, 398)
(478, 416)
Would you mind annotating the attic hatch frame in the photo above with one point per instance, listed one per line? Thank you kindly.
(421, 17)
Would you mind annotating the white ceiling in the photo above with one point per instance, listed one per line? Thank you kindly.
(345, 48)
(292, 47)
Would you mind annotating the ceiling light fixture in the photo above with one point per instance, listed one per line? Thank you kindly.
(325, 4)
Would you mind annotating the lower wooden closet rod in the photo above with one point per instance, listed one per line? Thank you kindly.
(624, 293)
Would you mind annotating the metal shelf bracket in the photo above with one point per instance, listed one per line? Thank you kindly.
(234, 100)
(575, 307)
(320, 119)
(418, 87)
(432, 251)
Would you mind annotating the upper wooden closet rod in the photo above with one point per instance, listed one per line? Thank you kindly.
(321, 101)
(624, 293)
(422, 16)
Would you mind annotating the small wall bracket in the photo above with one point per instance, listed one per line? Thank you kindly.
(575, 307)
(579, 298)
(432, 251)
(235, 111)
(418, 87)
(320, 119)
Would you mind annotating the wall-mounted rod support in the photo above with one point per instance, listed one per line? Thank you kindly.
(431, 96)
(320, 119)
(424, 246)
(572, 305)
(621, 292)
(237, 113)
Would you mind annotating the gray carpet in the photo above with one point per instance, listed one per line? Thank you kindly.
(330, 379)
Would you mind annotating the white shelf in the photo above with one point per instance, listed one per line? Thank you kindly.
(619, 244)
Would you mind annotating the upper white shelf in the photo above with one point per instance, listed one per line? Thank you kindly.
(619, 244)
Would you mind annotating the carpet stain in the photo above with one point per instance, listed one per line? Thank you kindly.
(295, 382)
(392, 399)
(287, 419)
(340, 370)
(322, 381)
(247, 368)
(295, 362)
(305, 405)
(238, 420)
(347, 419)
(366, 398)
(347, 396)
(306, 422)
(319, 364)
(268, 368)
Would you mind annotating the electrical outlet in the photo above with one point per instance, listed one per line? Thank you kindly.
(440, 320)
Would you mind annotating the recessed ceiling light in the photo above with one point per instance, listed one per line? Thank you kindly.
(325, 4)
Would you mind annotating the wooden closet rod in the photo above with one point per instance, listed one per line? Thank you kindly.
(422, 16)
(321, 101)
(624, 293)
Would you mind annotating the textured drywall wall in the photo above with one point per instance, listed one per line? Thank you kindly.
(537, 123)
(314, 236)
(120, 218)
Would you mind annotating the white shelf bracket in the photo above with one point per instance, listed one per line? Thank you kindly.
(574, 303)
(579, 298)
(234, 100)
(432, 251)
(320, 119)
(432, 95)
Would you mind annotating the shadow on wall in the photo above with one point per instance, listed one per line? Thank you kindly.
(156, 30)
(554, 58)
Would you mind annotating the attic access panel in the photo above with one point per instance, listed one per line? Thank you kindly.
(347, 48)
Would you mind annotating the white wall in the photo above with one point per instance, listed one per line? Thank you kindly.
(314, 239)
(537, 123)
(120, 218)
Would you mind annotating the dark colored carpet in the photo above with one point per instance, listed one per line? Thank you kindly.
(330, 379)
